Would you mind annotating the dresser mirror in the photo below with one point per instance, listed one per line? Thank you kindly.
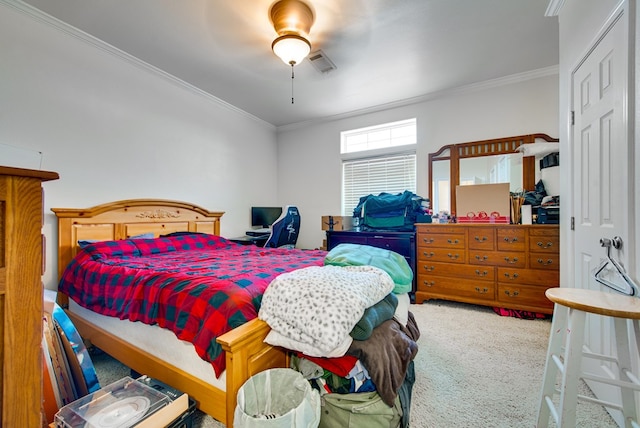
(481, 162)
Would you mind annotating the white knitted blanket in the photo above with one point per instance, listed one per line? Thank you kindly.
(320, 305)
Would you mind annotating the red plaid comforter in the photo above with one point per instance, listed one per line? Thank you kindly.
(198, 286)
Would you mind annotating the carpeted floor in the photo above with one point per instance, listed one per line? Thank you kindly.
(474, 369)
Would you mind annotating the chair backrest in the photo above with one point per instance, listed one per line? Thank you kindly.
(285, 230)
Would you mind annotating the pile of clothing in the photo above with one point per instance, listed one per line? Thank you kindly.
(353, 336)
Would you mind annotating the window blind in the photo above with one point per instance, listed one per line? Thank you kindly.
(391, 174)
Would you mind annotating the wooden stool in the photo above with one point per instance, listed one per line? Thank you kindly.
(571, 307)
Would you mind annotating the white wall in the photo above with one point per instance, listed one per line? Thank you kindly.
(309, 157)
(116, 129)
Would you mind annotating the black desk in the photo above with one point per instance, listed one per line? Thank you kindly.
(250, 240)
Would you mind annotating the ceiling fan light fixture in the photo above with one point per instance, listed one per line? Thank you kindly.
(292, 20)
(291, 48)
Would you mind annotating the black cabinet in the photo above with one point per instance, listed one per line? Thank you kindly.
(403, 243)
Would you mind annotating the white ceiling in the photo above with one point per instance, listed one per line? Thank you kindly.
(387, 52)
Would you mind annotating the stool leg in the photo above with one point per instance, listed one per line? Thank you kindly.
(556, 335)
(624, 364)
(572, 368)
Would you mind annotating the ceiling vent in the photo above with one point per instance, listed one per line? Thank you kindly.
(321, 62)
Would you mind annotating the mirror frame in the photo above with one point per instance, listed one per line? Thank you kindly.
(473, 149)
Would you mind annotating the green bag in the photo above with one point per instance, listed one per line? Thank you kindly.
(362, 409)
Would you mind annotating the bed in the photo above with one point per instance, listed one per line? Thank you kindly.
(175, 362)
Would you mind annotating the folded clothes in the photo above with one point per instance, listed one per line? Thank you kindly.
(374, 316)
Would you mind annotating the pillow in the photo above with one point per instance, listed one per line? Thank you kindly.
(86, 242)
(149, 235)
(168, 235)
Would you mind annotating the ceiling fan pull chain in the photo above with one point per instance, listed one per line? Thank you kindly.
(292, 77)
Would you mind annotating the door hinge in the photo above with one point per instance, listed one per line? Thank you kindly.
(573, 223)
(573, 117)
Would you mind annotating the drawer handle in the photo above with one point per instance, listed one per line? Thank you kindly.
(511, 261)
(429, 268)
(483, 291)
(545, 263)
(481, 273)
(428, 240)
(454, 241)
(429, 283)
(431, 254)
(481, 258)
(453, 256)
(511, 276)
(511, 293)
(545, 246)
(480, 239)
(512, 240)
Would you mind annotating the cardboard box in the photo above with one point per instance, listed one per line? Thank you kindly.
(339, 222)
(483, 203)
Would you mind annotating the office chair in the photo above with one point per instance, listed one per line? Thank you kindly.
(284, 231)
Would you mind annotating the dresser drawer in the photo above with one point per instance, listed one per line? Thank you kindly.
(443, 241)
(544, 261)
(441, 255)
(510, 295)
(511, 239)
(425, 229)
(486, 273)
(543, 277)
(401, 246)
(497, 258)
(544, 244)
(482, 238)
(448, 287)
(544, 230)
(337, 239)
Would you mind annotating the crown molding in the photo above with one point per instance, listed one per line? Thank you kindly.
(40, 16)
(553, 9)
(474, 87)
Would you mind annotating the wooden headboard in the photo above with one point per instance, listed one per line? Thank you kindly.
(126, 218)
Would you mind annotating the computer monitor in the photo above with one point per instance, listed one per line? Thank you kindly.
(264, 216)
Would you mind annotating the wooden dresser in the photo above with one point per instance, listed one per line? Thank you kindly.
(21, 295)
(500, 265)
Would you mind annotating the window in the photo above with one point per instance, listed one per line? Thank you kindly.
(394, 134)
(377, 159)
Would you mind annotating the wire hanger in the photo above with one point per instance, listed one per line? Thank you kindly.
(630, 287)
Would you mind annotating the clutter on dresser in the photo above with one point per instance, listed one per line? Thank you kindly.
(391, 212)
(483, 203)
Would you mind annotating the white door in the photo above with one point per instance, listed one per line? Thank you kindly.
(600, 147)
